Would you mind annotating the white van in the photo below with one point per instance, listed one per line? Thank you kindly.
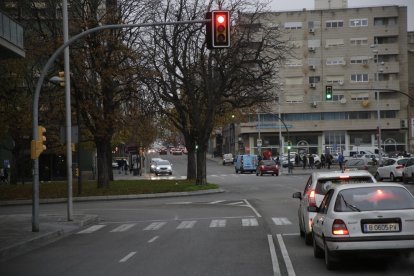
(228, 159)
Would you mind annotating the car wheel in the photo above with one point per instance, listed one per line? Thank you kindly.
(257, 173)
(261, 174)
(273, 174)
(317, 251)
(237, 171)
(377, 176)
(392, 177)
(308, 238)
(329, 261)
(302, 233)
(170, 173)
(277, 174)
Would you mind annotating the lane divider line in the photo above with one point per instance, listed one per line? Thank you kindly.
(275, 263)
(251, 207)
(153, 239)
(124, 259)
(285, 255)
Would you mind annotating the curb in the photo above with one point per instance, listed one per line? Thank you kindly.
(113, 197)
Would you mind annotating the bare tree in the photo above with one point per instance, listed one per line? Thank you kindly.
(193, 85)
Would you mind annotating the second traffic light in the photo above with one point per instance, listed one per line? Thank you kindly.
(328, 93)
(38, 146)
(218, 29)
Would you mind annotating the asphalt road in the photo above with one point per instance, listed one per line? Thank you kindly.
(251, 229)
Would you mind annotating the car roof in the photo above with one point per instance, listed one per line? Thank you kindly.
(368, 185)
(332, 174)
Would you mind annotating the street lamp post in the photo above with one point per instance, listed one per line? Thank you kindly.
(378, 103)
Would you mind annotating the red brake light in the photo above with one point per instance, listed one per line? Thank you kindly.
(312, 201)
(339, 227)
(344, 176)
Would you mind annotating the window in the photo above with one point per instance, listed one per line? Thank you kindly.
(293, 62)
(314, 79)
(386, 39)
(359, 78)
(314, 43)
(294, 81)
(359, 41)
(385, 21)
(337, 97)
(335, 61)
(294, 99)
(293, 25)
(358, 22)
(359, 96)
(359, 60)
(334, 24)
(335, 42)
(314, 24)
(339, 80)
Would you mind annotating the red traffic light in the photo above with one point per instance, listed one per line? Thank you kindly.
(218, 29)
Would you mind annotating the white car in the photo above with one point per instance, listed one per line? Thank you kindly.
(364, 219)
(153, 163)
(228, 159)
(316, 188)
(408, 172)
(391, 168)
(163, 167)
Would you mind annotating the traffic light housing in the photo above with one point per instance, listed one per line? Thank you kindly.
(289, 145)
(62, 78)
(328, 93)
(218, 29)
(38, 146)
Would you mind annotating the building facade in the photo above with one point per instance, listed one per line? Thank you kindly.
(355, 51)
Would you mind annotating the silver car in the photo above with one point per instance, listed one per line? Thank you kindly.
(163, 167)
(316, 188)
(363, 219)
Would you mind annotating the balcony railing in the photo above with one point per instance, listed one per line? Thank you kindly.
(11, 33)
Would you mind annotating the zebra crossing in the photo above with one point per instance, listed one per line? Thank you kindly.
(185, 224)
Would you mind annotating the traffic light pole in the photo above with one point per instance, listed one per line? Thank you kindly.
(35, 123)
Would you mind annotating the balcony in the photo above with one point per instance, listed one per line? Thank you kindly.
(11, 38)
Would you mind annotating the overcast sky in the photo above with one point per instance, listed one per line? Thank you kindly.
(293, 5)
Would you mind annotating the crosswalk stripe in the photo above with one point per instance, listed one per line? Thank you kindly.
(250, 222)
(186, 224)
(91, 229)
(123, 227)
(218, 223)
(281, 221)
(155, 226)
(217, 201)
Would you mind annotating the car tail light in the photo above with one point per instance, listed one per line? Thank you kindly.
(312, 200)
(262, 167)
(339, 227)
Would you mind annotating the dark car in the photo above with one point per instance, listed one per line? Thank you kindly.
(267, 167)
(163, 151)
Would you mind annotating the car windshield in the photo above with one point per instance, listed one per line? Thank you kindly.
(373, 198)
(323, 184)
(163, 162)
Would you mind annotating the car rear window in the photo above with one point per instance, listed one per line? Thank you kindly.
(268, 162)
(323, 184)
(373, 198)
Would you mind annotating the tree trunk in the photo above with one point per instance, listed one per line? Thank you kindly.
(191, 164)
(104, 153)
(201, 167)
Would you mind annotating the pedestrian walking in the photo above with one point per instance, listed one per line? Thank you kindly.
(329, 161)
(322, 161)
(311, 161)
(341, 162)
(304, 161)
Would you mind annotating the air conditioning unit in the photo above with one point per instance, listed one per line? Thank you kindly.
(312, 67)
(312, 85)
(314, 104)
(312, 49)
(404, 123)
(341, 83)
(312, 31)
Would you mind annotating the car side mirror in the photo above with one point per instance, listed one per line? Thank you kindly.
(297, 195)
(313, 209)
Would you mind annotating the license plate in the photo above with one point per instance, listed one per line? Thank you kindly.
(381, 227)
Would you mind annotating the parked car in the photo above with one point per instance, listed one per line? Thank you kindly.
(163, 167)
(228, 159)
(366, 164)
(316, 188)
(114, 165)
(267, 167)
(246, 163)
(176, 151)
(163, 151)
(363, 219)
(391, 168)
(408, 171)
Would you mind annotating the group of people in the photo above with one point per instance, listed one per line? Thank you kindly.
(326, 160)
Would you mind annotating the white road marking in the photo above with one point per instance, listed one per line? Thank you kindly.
(250, 222)
(251, 207)
(291, 234)
(275, 263)
(186, 224)
(236, 203)
(281, 221)
(217, 201)
(124, 259)
(154, 226)
(123, 227)
(218, 223)
(153, 239)
(92, 229)
(285, 254)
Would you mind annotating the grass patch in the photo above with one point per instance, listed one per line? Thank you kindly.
(58, 189)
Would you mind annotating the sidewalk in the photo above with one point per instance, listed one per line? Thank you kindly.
(16, 236)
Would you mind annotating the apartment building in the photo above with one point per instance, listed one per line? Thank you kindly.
(362, 54)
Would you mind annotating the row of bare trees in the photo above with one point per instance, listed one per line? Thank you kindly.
(123, 81)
